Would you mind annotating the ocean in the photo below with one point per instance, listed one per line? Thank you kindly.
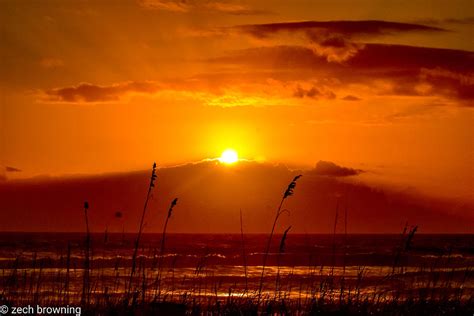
(51, 265)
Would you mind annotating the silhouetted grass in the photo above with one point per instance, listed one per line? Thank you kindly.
(162, 248)
(425, 291)
(140, 228)
(86, 281)
(288, 192)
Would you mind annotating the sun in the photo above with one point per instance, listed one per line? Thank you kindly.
(229, 156)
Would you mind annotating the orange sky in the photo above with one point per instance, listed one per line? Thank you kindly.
(97, 87)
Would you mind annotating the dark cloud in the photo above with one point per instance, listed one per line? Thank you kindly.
(403, 57)
(407, 70)
(375, 58)
(337, 41)
(336, 50)
(344, 28)
(327, 168)
(351, 98)
(459, 85)
(86, 92)
(313, 93)
(419, 70)
(12, 169)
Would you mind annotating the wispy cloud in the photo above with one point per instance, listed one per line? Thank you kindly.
(351, 98)
(180, 6)
(328, 168)
(208, 89)
(332, 28)
(86, 92)
(313, 93)
(335, 40)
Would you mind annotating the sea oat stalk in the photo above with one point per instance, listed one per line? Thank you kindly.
(162, 246)
(288, 192)
(244, 256)
(140, 228)
(281, 250)
(86, 281)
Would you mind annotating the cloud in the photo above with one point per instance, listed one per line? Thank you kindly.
(337, 41)
(419, 71)
(337, 49)
(86, 92)
(345, 28)
(466, 20)
(404, 57)
(7, 169)
(327, 168)
(174, 6)
(382, 69)
(11, 169)
(277, 74)
(180, 6)
(208, 90)
(351, 98)
(457, 84)
(313, 93)
(213, 89)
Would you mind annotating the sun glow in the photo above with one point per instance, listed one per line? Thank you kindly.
(229, 156)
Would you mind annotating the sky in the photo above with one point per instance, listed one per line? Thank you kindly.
(98, 87)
